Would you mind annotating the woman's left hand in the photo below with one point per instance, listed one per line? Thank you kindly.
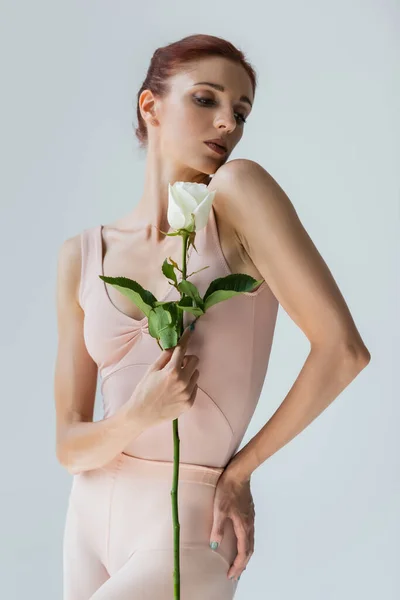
(233, 500)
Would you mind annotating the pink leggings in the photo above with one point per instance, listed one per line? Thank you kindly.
(118, 537)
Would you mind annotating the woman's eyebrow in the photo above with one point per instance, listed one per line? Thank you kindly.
(221, 88)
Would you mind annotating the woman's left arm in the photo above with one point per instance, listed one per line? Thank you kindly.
(273, 236)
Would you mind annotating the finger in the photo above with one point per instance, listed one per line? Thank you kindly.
(180, 349)
(251, 540)
(162, 360)
(243, 545)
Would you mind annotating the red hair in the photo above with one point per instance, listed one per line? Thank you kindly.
(167, 60)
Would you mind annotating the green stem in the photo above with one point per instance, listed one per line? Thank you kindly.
(174, 491)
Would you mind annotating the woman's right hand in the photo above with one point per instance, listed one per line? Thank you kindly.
(168, 387)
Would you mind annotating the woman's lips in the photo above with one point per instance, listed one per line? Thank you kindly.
(216, 148)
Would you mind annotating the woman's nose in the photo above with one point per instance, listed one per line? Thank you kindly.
(227, 119)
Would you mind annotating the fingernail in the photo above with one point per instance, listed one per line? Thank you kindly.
(214, 545)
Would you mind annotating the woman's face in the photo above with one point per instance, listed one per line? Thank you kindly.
(192, 113)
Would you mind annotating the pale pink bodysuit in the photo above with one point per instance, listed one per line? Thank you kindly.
(128, 500)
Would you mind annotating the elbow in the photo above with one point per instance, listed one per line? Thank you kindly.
(72, 470)
(60, 454)
(62, 457)
(61, 460)
(365, 357)
(356, 354)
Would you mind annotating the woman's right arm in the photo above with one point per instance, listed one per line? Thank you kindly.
(82, 444)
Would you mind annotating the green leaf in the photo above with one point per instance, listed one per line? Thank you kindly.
(170, 307)
(159, 317)
(169, 338)
(194, 310)
(189, 289)
(224, 288)
(143, 299)
(169, 271)
(163, 324)
(162, 315)
(192, 301)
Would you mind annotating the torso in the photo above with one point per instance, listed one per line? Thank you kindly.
(127, 253)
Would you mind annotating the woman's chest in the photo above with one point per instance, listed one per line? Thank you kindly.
(131, 255)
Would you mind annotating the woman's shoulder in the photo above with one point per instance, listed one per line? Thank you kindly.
(70, 258)
(69, 264)
(234, 167)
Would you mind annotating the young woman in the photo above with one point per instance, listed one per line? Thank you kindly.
(118, 539)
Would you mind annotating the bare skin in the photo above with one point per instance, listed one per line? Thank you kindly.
(169, 386)
(127, 253)
(260, 235)
(177, 127)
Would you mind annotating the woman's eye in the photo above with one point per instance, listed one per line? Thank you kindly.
(207, 102)
(204, 101)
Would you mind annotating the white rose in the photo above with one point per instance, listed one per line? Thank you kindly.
(185, 198)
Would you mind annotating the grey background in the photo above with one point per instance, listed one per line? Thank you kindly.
(325, 124)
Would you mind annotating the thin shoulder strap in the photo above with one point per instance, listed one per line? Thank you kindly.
(90, 248)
